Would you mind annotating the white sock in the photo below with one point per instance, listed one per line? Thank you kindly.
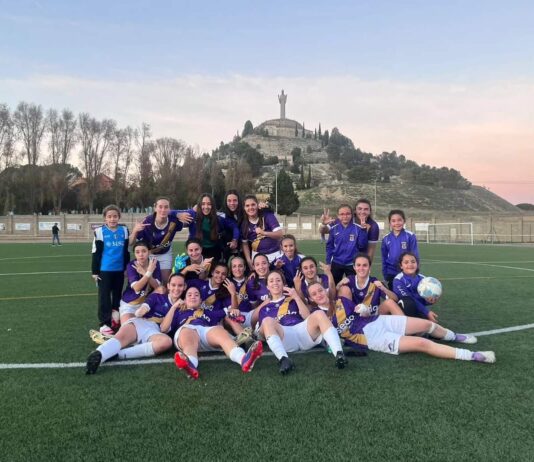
(463, 354)
(332, 339)
(236, 354)
(137, 351)
(276, 346)
(449, 335)
(193, 359)
(109, 348)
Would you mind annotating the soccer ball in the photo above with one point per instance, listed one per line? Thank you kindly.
(430, 289)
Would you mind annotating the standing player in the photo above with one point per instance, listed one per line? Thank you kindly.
(209, 227)
(393, 334)
(158, 231)
(287, 325)
(260, 232)
(110, 257)
(396, 243)
(232, 210)
(346, 239)
(144, 329)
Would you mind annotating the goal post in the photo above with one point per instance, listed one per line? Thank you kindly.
(447, 233)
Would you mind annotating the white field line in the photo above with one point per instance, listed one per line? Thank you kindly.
(479, 264)
(44, 256)
(136, 362)
(43, 272)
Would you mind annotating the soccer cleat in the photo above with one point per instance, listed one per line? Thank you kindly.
(286, 365)
(244, 336)
(97, 337)
(341, 361)
(182, 362)
(483, 357)
(93, 361)
(464, 338)
(106, 330)
(251, 356)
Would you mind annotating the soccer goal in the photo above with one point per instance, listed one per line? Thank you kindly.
(450, 233)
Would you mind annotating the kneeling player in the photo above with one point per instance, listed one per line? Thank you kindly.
(393, 334)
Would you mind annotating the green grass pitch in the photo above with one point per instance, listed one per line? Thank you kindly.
(381, 407)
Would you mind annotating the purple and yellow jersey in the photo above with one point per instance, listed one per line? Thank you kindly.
(130, 295)
(369, 294)
(180, 318)
(289, 267)
(160, 239)
(285, 310)
(393, 247)
(322, 278)
(406, 286)
(350, 324)
(214, 309)
(252, 294)
(159, 305)
(262, 244)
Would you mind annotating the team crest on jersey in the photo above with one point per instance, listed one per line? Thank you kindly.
(351, 237)
(404, 245)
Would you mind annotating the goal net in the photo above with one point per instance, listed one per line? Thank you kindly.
(447, 233)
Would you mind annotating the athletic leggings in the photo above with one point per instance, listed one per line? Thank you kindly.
(109, 294)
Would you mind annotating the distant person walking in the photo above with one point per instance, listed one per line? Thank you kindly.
(55, 235)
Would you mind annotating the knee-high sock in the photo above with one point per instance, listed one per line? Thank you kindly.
(463, 354)
(236, 355)
(109, 348)
(276, 346)
(332, 339)
(137, 351)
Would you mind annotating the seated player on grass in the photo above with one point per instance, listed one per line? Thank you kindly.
(405, 287)
(144, 329)
(393, 334)
(287, 325)
(364, 289)
(201, 331)
(196, 266)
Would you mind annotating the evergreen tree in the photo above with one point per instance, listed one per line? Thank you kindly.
(288, 201)
(303, 130)
(315, 134)
(326, 138)
(309, 179)
(248, 129)
(296, 130)
(320, 133)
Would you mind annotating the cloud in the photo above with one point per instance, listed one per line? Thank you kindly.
(483, 129)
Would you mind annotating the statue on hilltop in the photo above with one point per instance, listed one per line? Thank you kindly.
(282, 99)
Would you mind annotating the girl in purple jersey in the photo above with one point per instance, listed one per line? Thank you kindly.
(289, 261)
(143, 330)
(287, 325)
(405, 287)
(393, 334)
(395, 243)
(307, 274)
(197, 335)
(367, 291)
(260, 232)
(143, 275)
(158, 230)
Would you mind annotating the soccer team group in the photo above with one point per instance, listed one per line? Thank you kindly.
(243, 282)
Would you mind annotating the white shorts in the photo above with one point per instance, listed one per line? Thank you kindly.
(384, 334)
(145, 328)
(126, 308)
(270, 256)
(165, 260)
(202, 332)
(297, 338)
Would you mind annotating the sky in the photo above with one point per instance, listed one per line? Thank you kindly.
(446, 83)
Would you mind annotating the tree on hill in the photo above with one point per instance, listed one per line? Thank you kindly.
(296, 155)
(526, 206)
(309, 178)
(326, 138)
(284, 194)
(248, 129)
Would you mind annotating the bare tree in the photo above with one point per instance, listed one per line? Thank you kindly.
(30, 123)
(144, 177)
(122, 149)
(62, 135)
(7, 138)
(168, 154)
(95, 138)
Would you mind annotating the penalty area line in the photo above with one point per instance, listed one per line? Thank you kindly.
(135, 362)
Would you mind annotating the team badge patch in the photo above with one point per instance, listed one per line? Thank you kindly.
(351, 238)
(404, 245)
